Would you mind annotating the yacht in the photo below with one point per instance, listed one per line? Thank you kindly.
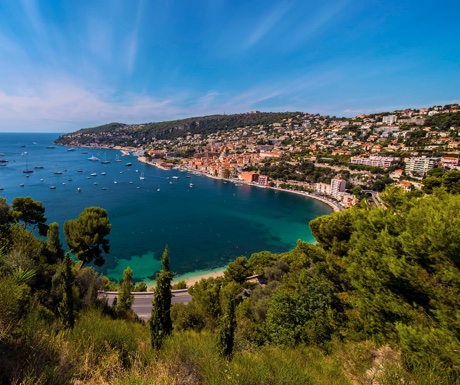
(103, 173)
(128, 164)
(93, 174)
(92, 158)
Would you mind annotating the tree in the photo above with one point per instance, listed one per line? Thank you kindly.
(5, 212)
(85, 235)
(53, 244)
(227, 327)
(237, 270)
(160, 321)
(31, 212)
(66, 307)
(125, 298)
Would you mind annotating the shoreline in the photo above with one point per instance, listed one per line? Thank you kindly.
(334, 206)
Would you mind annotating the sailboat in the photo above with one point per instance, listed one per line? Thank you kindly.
(142, 176)
(105, 161)
(27, 171)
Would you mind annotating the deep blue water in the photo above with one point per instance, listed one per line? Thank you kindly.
(205, 225)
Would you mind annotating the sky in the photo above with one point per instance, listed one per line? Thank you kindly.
(66, 65)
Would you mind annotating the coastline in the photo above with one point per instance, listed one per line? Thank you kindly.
(333, 205)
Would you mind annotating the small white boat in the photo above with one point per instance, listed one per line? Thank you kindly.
(103, 173)
(115, 181)
(104, 188)
(95, 183)
(191, 184)
(92, 158)
(93, 174)
(21, 185)
(142, 176)
(175, 177)
(78, 189)
(52, 187)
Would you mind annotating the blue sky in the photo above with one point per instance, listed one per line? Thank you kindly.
(65, 65)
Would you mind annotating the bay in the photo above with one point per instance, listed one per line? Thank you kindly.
(205, 226)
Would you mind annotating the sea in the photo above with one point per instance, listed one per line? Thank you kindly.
(205, 222)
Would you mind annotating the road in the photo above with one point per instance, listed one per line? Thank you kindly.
(142, 304)
(375, 196)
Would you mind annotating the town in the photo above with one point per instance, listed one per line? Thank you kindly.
(340, 159)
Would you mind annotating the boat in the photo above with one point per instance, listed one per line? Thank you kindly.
(70, 179)
(58, 172)
(52, 187)
(63, 183)
(84, 152)
(117, 159)
(93, 174)
(142, 176)
(188, 176)
(104, 188)
(27, 171)
(41, 180)
(39, 167)
(50, 147)
(115, 181)
(175, 177)
(130, 182)
(34, 142)
(71, 149)
(79, 170)
(105, 161)
(191, 184)
(2, 188)
(92, 158)
(4, 161)
(95, 183)
(78, 189)
(103, 173)
(3, 164)
(128, 164)
(158, 189)
(21, 185)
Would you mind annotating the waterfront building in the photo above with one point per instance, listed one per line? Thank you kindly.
(337, 186)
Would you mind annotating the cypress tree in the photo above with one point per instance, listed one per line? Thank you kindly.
(53, 244)
(66, 306)
(227, 322)
(125, 298)
(160, 321)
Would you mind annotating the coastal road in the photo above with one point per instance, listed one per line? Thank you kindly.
(142, 304)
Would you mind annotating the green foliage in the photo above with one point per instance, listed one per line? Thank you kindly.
(140, 287)
(449, 180)
(206, 299)
(85, 235)
(66, 307)
(300, 314)
(237, 270)
(31, 212)
(160, 320)
(179, 285)
(444, 121)
(125, 298)
(53, 244)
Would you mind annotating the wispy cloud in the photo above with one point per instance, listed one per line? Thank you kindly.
(267, 24)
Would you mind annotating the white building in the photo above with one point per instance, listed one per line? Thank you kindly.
(390, 119)
(337, 186)
(420, 165)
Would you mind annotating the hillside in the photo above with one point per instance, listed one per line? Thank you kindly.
(119, 134)
(375, 300)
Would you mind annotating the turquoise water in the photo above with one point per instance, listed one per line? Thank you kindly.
(205, 226)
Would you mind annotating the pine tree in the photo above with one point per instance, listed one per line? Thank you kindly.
(160, 321)
(125, 298)
(66, 307)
